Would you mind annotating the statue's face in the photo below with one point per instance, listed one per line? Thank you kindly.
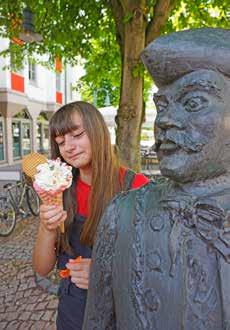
(192, 127)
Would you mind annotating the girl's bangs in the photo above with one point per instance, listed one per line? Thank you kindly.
(62, 125)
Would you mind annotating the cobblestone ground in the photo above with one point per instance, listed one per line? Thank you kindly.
(23, 303)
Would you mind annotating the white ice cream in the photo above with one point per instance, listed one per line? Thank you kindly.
(53, 175)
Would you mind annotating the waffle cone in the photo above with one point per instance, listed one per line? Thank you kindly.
(54, 200)
(30, 163)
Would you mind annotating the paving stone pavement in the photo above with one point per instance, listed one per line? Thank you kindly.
(26, 301)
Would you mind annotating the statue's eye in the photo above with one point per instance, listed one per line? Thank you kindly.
(161, 105)
(195, 103)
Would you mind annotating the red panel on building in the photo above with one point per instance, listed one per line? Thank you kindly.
(17, 82)
(59, 97)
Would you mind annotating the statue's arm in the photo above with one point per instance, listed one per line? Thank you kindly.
(99, 313)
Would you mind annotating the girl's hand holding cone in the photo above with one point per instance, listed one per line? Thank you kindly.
(52, 216)
(51, 198)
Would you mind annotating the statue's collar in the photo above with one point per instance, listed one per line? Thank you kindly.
(203, 188)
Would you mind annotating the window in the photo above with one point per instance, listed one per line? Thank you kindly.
(2, 156)
(26, 138)
(32, 72)
(43, 133)
(21, 129)
(16, 140)
(58, 82)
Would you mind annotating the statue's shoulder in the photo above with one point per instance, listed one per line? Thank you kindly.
(127, 199)
(126, 203)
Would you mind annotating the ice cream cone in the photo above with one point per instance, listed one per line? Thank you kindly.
(30, 163)
(51, 178)
(53, 199)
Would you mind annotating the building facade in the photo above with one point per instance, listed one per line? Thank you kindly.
(27, 100)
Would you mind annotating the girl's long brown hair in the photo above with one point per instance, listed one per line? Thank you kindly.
(105, 168)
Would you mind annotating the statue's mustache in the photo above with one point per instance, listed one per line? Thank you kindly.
(181, 139)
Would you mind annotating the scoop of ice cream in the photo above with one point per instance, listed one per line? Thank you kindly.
(53, 175)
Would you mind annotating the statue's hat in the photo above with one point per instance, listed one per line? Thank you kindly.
(171, 56)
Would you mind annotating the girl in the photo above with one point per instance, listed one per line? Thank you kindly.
(80, 137)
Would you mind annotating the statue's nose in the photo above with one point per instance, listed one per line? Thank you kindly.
(169, 118)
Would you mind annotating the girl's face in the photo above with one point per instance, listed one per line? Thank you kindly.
(75, 147)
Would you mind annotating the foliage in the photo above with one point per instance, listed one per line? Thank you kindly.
(71, 28)
(199, 13)
(102, 66)
(66, 26)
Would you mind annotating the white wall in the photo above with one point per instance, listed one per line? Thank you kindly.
(4, 74)
(73, 74)
(44, 89)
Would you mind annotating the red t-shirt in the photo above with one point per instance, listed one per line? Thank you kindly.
(83, 190)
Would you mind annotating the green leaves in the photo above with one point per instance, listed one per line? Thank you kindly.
(199, 13)
(138, 70)
(73, 28)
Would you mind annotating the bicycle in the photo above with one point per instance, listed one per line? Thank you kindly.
(12, 204)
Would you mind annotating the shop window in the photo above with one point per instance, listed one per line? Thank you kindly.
(16, 139)
(26, 138)
(21, 130)
(2, 139)
(39, 137)
(43, 134)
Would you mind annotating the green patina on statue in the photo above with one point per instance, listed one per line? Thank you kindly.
(162, 256)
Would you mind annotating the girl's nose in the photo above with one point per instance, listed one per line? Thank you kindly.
(69, 143)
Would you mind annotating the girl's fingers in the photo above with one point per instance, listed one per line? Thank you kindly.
(46, 208)
(80, 282)
(56, 218)
(84, 262)
(55, 224)
(81, 274)
(83, 265)
(52, 222)
(51, 213)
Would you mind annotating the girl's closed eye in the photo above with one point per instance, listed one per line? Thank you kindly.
(77, 135)
(60, 142)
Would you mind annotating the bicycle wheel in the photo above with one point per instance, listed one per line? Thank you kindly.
(7, 219)
(32, 200)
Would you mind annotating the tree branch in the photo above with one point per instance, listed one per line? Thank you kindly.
(161, 14)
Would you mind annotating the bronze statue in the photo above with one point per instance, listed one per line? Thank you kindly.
(162, 256)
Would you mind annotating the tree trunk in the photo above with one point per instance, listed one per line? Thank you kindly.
(129, 116)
